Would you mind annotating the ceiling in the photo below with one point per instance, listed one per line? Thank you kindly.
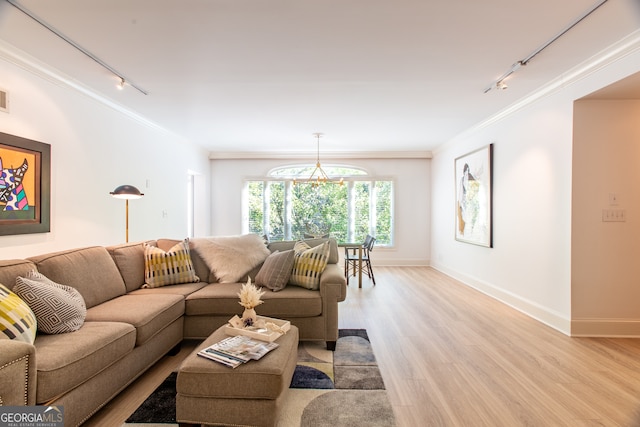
(263, 76)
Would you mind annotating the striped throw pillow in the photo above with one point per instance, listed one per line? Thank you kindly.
(59, 308)
(17, 321)
(276, 270)
(168, 268)
(308, 264)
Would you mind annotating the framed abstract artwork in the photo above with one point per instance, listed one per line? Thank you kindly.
(473, 175)
(25, 185)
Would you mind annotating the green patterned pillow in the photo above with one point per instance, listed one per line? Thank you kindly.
(308, 264)
(17, 321)
(168, 268)
(59, 308)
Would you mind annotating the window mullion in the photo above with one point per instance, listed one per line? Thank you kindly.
(266, 208)
(351, 211)
(372, 209)
(288, 209)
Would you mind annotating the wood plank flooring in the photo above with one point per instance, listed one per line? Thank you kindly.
(451, 356)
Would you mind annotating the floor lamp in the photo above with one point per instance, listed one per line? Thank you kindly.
(127, 192)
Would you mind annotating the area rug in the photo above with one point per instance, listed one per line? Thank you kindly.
(341, 388)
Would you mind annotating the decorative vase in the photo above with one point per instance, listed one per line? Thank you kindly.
(249, 316)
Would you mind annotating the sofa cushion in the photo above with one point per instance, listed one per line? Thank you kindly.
(222, 299)
(292, 301)
(149, 313)
(17, 321)
(276, 270)
(12, 268)
(183, 289)
(58, 308)
(285, 245)
(168, 268)
(308, 264)
(91, 271)
(73, 358)
(231, 258)
(129, 258)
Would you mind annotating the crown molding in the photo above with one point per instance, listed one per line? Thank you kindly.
(617, 51)
(21, 59)
(257, 155)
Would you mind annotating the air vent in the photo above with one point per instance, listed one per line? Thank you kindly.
(4, 100)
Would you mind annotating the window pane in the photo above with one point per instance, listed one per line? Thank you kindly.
(362, 196)
(384, 204)
(276, 210)
(322, 209)
(255, 207)
(319, 210)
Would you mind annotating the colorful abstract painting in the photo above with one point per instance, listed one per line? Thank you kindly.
(24, 185)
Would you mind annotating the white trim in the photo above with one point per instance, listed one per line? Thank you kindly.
(611, 328)
(252, 155)
(622, 48)
(530, 308)
(380, 261)
(19, 58)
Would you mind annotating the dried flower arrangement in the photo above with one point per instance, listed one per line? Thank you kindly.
(250, 298)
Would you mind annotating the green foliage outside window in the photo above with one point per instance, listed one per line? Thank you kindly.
(322, 208)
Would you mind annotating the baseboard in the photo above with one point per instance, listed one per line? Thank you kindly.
(399, 262)
(532, 309)
(610, 328)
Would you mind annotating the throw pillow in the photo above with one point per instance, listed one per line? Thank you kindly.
(168, 268)
(17, 321)
(276, 270)
(58, 308)
(308, 265)
(231, 258)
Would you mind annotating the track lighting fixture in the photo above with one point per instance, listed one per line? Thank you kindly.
(90, 55)
(500, 84)
(121, 83)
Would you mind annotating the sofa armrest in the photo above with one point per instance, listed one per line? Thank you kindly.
(333, 283)
(17, 373)
(333, 289)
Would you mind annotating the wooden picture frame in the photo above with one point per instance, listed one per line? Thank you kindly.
(474, 196)
(25, 185)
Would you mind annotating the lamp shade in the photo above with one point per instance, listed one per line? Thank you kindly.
(126, 192)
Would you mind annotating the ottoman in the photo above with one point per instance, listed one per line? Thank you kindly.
(249, 395)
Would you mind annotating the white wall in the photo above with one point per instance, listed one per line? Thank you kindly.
(530, 264)
(95, 148)
(412, 206)
(605, 271)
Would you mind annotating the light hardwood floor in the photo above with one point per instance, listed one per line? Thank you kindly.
(451, 356)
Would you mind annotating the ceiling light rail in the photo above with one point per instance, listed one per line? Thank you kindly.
(122, 80)
(500, 82)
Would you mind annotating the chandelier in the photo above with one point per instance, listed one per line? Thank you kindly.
(318, 176)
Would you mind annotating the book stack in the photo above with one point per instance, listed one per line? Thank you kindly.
(237, 350)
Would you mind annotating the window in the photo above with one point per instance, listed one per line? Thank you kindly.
(284, 211)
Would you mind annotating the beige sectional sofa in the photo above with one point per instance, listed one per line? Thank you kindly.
(127, 328)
